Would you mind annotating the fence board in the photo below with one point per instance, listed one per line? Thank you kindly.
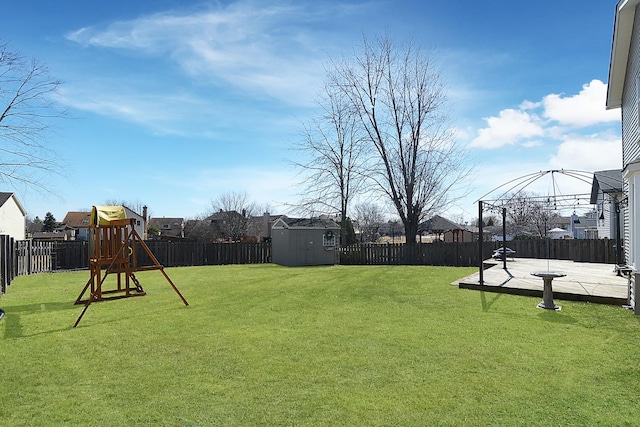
(465, 254)
(22, 257)
(74, 255)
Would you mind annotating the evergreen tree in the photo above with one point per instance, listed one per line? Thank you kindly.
(49, 223)
(350, 234)
(153, 231)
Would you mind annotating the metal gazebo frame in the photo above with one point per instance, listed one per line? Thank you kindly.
(556, 200)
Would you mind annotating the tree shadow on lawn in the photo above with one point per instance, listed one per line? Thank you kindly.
(13, 325)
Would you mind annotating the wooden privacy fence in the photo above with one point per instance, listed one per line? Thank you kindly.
(597, 250)
(74, 255)
(22, 257)
(460, 254)
(466, 254)
(27, 257)
(178, 254)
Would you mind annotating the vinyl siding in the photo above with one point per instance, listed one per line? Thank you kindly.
(630, 122)
(631, 138)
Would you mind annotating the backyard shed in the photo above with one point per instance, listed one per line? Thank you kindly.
(305, 241)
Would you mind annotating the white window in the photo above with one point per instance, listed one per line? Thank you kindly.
(329, 239)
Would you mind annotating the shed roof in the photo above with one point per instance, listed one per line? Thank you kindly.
(286, 222)
(4, 196)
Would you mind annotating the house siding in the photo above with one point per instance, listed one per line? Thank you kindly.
(12, 220)
(630, 123)
(631, 154)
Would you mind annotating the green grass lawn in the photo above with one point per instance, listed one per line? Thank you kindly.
(333, 346)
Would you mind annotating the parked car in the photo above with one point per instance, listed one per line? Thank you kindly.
(497, 254)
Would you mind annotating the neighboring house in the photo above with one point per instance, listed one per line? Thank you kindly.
(305, 241)
(169, 227)
(584, 227)
(267, 222)
(392, 229)
(624, 92)
(559, 233)
(234, 226)
(54, 236)
(12, 216)
(80, 222)
(228, 225)
(445, 230)
(140, 223)
(606, 195)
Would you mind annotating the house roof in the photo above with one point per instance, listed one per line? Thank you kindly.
(439, 224)
(286, 222)
(50, 235)
(609, 181)
(77, 219)
(622, 31)
(172, 222)
(6, 196)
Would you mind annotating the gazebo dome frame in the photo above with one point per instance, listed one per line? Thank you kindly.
(505, 195)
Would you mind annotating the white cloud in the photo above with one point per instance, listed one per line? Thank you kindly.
(256, 48)
(588, 153)
(550, 118)
(163, 113)
(508, 128)
(584, 109)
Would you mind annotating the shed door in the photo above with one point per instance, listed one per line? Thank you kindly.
(305, 245)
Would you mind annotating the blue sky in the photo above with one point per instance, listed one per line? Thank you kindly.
(173, 102)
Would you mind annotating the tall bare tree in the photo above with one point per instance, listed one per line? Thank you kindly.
(333, 166)
(398, 96)
(231, 213)
(26, 112)
(529, 213)
(135, 205)
(369, 217)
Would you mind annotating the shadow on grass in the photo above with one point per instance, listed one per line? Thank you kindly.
(42, 307)
(487, 305)
(556, 317)
(13, 326)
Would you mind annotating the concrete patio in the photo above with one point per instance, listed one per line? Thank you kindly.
(596, 283)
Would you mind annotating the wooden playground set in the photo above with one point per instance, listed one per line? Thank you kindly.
(113, 245)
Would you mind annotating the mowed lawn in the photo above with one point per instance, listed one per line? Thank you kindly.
(315, 346)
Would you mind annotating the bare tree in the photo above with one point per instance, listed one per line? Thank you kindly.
(135, 205)
(199, 229)
(369, 217)
(334, 158)
(33, 224)
(231, 214)
(400, 102)
(529, 214)
(26, 111)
